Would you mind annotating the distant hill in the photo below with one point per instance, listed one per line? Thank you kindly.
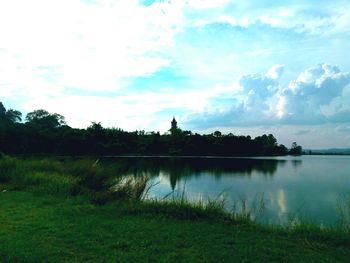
(330, 151)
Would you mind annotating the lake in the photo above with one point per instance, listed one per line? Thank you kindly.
(300, 187)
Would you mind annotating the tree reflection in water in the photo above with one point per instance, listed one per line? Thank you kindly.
(182, 168)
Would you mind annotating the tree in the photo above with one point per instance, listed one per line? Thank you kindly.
(95, 128)
(3, 119)
(37, 115)
(44, 119)
(9, 116)
(97, 131)
(13, 116)
(268, 141)
(2, 109)
(272, 141)
(217, 134)
(296, 149)
(282, 150)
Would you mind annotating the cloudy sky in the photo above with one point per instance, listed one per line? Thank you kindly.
(246, 67)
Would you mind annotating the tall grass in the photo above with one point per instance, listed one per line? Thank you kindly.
(87, 177)
(250, 211)
(343, 210)
(44, 176)
(342, 227)
(130, 187)
(103, 183)
(242, 209)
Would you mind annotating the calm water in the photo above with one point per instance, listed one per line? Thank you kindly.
(292, 187)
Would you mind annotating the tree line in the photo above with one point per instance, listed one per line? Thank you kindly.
(42, 132)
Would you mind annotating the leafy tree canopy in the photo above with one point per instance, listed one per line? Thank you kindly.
(14, 115)
(296, 149)
(9, 116)
(45, 119)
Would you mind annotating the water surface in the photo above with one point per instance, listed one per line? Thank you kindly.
(309, 187)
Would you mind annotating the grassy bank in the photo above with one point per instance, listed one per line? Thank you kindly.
(38, 229)
(51, 210)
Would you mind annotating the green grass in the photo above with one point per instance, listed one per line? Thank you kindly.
(56, 229)
(51, 211)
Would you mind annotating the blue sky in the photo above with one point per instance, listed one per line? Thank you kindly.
(246, 67)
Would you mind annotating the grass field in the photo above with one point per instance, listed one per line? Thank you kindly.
(51, 229)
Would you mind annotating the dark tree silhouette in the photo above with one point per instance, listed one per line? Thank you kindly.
(296, 149)
(47, 133)
(9, 116)
(217, 134)
(3, 118)
(44, 119)
(2, 109)
(13, 115)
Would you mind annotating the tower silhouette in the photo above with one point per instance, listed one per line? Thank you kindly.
(173, 124)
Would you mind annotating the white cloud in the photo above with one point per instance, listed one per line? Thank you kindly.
(207, 4)
(317, 96)
(90, 47)
(302, 17)
(275, 72)
(308, 97)
(260, 91)
(259, 52)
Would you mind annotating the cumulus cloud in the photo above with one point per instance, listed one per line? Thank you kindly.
(316, 96)
(259, 92)
(309, 97)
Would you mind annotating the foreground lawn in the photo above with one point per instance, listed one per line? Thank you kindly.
(37, 228)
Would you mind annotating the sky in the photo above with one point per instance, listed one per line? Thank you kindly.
(242, 67)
